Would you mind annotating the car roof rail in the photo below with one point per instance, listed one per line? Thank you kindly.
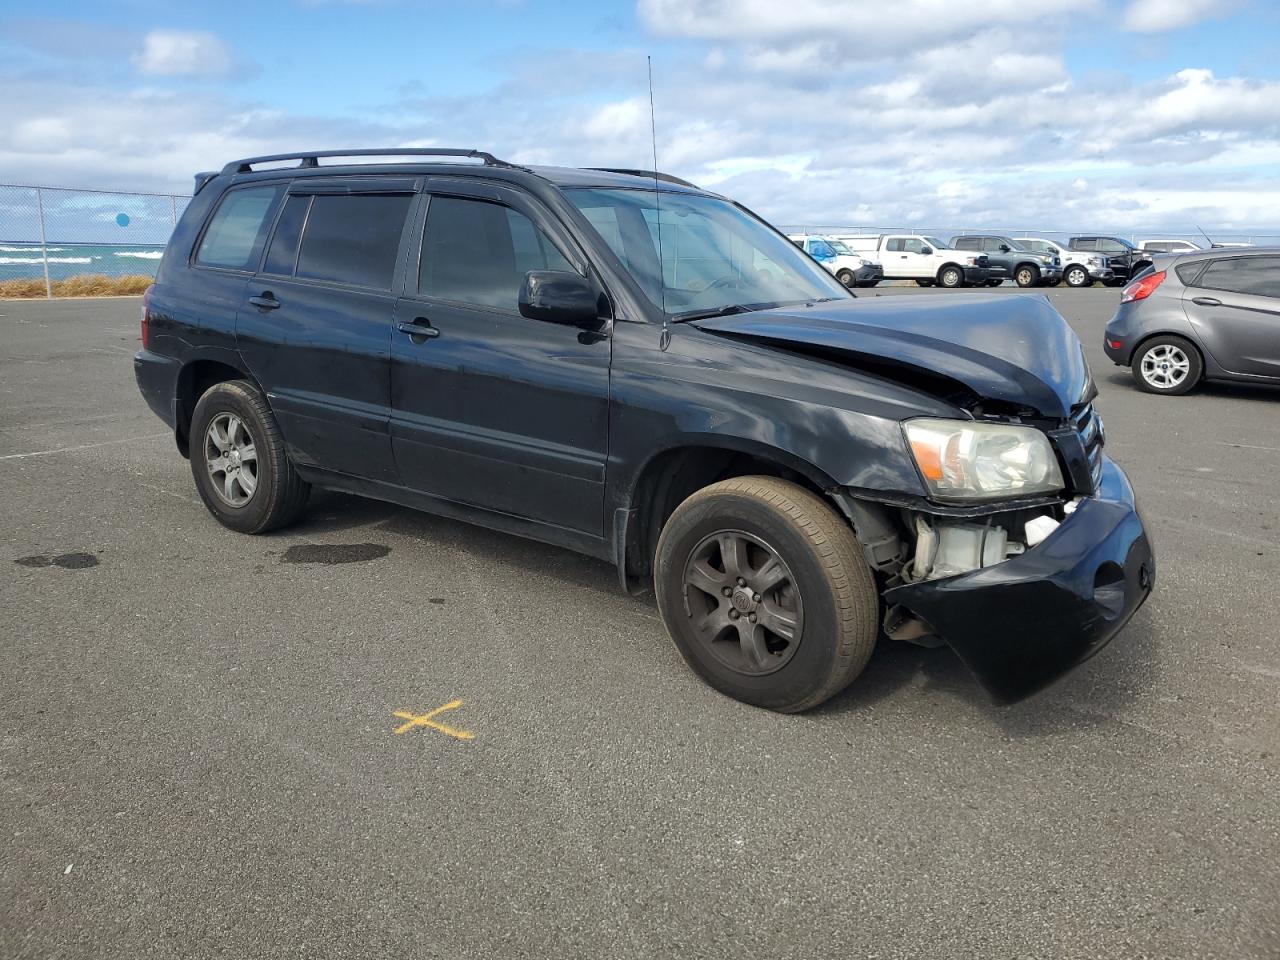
(649, 174)
(312, 158)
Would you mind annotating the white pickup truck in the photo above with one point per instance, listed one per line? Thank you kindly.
(1080, 268)
(926, 260)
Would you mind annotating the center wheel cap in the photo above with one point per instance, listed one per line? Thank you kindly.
(742, 601)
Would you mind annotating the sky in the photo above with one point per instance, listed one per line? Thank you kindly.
(1132, 115)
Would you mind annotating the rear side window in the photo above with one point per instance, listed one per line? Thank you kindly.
(896, 245)
(353, 239)
(283, 252)
(1187, 271)
(478, 252)
(967, 243)
(1084, 244)
(1255, 276)
(234, 237)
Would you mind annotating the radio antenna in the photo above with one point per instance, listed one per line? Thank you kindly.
(657, 211)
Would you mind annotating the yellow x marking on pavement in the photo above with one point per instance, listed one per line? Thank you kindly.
(428, 720)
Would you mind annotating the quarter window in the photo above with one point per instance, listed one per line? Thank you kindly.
(236, 233)
(353, 239)
(1254, 276)
(283, 252)
(475, 251)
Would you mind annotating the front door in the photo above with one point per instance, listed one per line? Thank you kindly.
(905, 256)
(316, 326)
(1235, 308)
(489, 408)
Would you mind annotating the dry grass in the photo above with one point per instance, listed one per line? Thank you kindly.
(84, 285)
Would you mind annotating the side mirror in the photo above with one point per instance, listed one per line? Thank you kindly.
(926, 250)
(1005, 248)
(556, 296)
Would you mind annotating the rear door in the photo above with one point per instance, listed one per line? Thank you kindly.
(316, 325)
(1235, 308)
(489, 408)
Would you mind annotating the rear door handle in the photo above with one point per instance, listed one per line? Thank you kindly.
(1207, 301)
(266, 301)
(420, 328)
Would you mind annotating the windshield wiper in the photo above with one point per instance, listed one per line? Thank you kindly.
(724, 311)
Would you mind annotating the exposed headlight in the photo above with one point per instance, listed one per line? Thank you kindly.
(971, 261)
(967, 460)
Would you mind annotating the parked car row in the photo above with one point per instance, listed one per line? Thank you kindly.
(975, 260)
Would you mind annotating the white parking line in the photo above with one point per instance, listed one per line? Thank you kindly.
(83, 446)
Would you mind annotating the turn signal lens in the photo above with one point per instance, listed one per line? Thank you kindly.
(1141, 289)
(146, 318)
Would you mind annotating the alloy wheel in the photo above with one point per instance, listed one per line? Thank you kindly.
(232, 459)
(1165, 366)
(744, 602)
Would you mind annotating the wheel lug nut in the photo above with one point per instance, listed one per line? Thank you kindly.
(727, 592)
(733, 614)
(755, 598)
(751, 617)
(741, 582)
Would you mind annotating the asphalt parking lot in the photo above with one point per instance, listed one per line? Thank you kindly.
(199, 752)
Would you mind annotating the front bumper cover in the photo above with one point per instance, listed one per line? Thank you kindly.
(1021, 624)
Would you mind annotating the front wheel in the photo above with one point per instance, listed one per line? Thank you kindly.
(238, 460)
(950, 277)
(1077, 276)
(1026, 276)
(765, 592)
(845, 277)
(1168, 364)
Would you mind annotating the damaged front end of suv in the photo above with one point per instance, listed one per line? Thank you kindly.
(1018, 541)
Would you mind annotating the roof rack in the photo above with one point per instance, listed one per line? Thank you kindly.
(312, 158)
(650, 174)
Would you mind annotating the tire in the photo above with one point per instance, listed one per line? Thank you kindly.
(994, 283)
(951, 277)
(1026, 275)
(277, 494)
(1167, 364)
(1077, 276)
(845, 277)
(820, 582)
(924, 283)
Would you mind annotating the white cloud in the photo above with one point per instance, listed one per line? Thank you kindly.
(1160, 16)
(183, 53)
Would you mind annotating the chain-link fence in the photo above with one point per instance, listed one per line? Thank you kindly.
(53, 238)
(1205, 238)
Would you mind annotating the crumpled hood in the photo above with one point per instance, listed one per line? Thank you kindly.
(1015, 348)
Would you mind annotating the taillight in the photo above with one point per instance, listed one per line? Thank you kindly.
(1141, 289)
(146, 318)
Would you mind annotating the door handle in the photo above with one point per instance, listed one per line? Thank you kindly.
(266, 302)
(420, 328)
(1207, 301)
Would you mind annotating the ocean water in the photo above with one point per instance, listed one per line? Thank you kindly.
(20, 261)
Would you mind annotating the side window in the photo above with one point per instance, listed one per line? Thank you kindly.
(475, 251)
(283, 252)
(1255, 276)
(913, 245)
(966, 243)
(353, 239)
(1187, 272)
(896, 245)
(235, 235)
(1084, 245)
(1112, 246)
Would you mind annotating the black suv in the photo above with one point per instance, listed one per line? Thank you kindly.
(1123, 257)
(1009, 259)
(623, 364)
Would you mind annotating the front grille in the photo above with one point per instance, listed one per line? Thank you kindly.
(1089, 425)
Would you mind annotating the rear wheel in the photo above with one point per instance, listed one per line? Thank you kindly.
(765, 592)
(1167, 364)
(950, 277)
(1026, 275)
(1076, 276)
(239, 463)
(845, 277)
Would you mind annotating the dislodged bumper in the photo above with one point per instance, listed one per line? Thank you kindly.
(1021, 624)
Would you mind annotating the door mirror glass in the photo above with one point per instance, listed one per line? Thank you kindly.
(557, 296)
(1005, 248)
(926, 250)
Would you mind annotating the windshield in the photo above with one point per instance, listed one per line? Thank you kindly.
(936, 243)
(714, 256)
(840, 248)
(1016, 244)
(1039, 246)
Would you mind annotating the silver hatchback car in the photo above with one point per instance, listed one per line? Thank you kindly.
(1203, 315)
